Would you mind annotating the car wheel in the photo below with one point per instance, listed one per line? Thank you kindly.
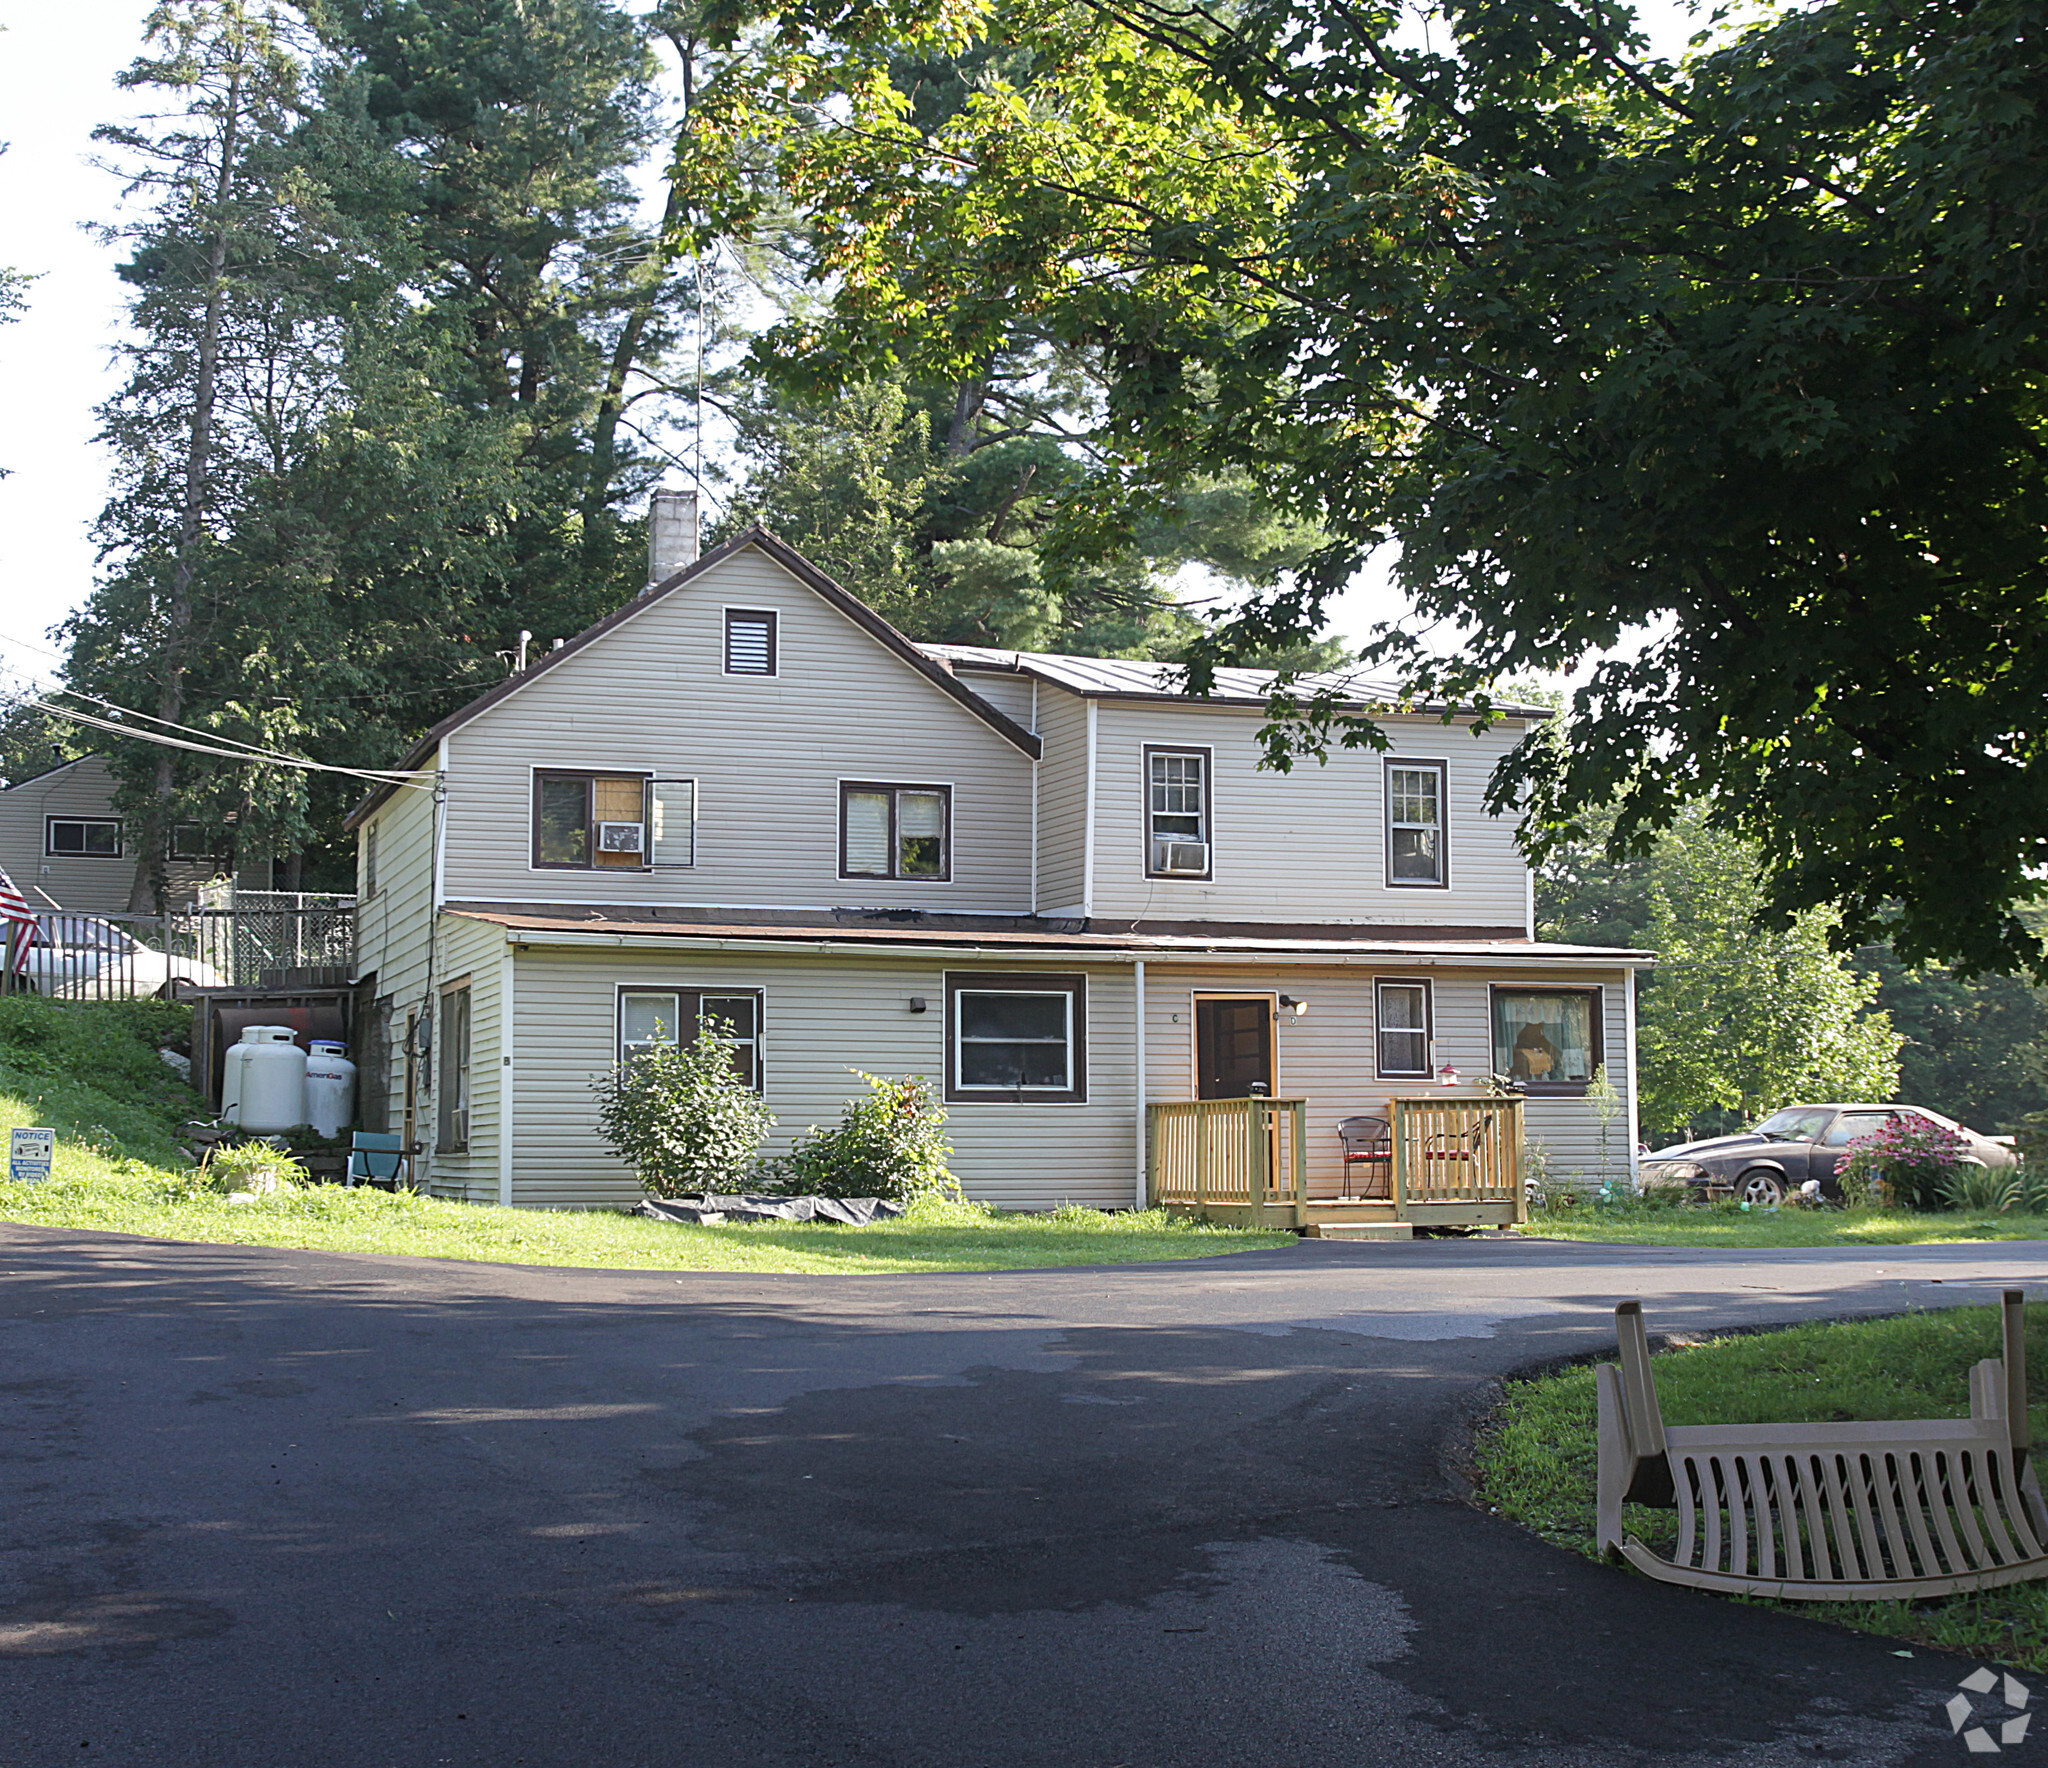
(1760, 1189)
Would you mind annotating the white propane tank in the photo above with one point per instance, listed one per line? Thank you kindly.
(231, 1065)
(330, 1088)
(273, 1081)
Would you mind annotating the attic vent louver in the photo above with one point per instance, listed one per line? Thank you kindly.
(749, 642)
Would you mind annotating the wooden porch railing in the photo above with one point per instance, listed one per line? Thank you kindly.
(1231, 1155)
(1458, 1151)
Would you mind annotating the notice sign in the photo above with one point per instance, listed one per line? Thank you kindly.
(29, 1155)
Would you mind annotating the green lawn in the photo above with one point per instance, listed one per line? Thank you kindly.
(1536, 1458)
(1783, 1227)
(92, 1073)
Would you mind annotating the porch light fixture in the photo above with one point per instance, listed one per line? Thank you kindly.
(1447, 1076)
(918, 1004)
(1297, 1008)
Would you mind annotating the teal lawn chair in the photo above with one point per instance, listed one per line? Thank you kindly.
(375, 1159)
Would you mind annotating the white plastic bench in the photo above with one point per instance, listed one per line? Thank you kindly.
(1828, 1512)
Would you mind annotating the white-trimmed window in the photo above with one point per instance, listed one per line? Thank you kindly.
(751, 641)
(1401, 1017)
(612, 821)
(82, 837)
(1018, 1038)
(1177, 843)
(652, 1016)
(892, 831)
(370, 860)
(1416, 791)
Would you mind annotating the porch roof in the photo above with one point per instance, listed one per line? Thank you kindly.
(820, 933)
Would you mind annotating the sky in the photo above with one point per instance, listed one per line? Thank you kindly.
(58, 64)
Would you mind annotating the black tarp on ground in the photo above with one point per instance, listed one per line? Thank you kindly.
(855, 1212)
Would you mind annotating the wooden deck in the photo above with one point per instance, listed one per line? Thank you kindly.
(1454, 1162)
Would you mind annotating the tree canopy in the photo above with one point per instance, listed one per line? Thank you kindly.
(1743, 353)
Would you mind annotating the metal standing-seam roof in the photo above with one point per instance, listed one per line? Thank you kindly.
(1125, 678)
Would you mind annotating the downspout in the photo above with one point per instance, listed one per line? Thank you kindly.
(1144, 1197)
(506, 1071)
(1635, 1137)
(1034, 795)
(1088, 826)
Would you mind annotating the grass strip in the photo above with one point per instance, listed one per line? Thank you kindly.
(1708, 1226)
(1536, 1456)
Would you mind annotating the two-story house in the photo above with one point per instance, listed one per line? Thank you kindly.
(1054, 886)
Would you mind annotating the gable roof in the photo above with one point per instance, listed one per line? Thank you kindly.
(45, 773)
(1125, 678)
(792, 561)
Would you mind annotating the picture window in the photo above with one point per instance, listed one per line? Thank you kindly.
(1549, 1039)
(1017, 1038)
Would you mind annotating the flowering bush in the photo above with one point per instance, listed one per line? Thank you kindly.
(1909, 1161)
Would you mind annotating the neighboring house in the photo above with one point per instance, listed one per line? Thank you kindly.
(62, 842)
(1051, 885)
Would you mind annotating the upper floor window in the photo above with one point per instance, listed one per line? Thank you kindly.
(1176, 813)
(82, 837)
(750, 641)
(889, 831)
(1402, 1016)
(612, 821)
(1415, 823)
(1547, 1038)
(649, 1017)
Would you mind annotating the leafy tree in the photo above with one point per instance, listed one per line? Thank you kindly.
(1974, 1047)
(1747, 351)
(1740, 1019)
(682, 1117)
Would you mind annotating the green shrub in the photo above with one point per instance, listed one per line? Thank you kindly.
(1974, 1186)
(250, 1166)
(681, 1115)
(890, 1144)
(90, 1070)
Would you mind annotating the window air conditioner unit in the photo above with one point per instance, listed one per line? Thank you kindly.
(621, 838)
(1184, 857)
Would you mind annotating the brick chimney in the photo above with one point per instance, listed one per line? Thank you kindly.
(671, 534)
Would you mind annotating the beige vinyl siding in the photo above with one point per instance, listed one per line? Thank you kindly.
(83, 788)
(767, 753)
(391, 926)
(469, 949)
(1006, 692)
(1309, 845)
(821, 1017)
(1062, 801)
(1328, 1057)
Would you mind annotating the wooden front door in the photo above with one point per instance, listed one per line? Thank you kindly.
(1233, 1047)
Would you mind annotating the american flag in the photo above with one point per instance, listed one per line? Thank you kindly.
(14, 911)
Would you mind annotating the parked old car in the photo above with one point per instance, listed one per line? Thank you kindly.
(1790, 1147)
(82, 957)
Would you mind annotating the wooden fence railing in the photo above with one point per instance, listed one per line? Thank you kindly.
(1230, 1155)
(1458, 1151)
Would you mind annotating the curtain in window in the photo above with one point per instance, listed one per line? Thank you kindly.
(867, 834)
(1541, 1036)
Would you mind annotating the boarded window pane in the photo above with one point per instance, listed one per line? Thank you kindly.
(1543, 1037)
(563, 814)
(921, 834)
(672, 822)
(621, 817)
(867, 834)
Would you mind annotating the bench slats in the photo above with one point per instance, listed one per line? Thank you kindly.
(1827, 1512)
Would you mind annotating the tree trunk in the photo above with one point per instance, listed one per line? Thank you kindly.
(145, 895)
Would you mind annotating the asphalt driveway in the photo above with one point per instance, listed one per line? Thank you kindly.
(265, 1509)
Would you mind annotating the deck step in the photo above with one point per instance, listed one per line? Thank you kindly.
(1359, 1231)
